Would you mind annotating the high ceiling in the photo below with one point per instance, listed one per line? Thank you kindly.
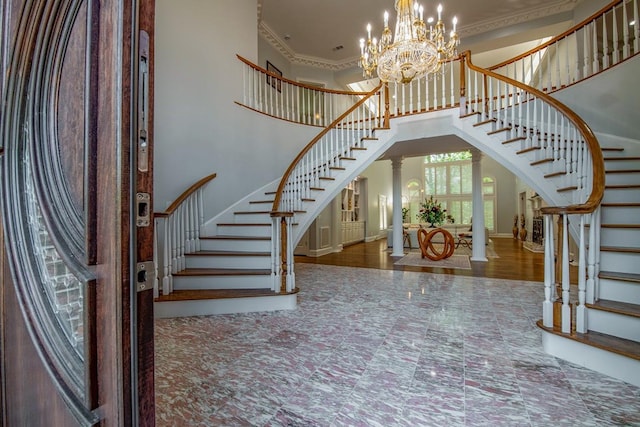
(325, 33)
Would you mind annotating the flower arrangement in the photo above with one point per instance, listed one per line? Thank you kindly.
(432, 213)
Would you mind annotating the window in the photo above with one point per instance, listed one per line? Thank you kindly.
(448, 178)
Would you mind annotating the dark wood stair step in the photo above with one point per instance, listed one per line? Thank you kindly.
(624, 347)
(554, 174)
(540, 162)
(472, 114)
(617, 307)
(227, 253)
(620, 171)
(620, 226)
(519, 138)
(205, 294)
(228, 237)
(613, 159)
(484, 122)
(243, 224)
(252, 212)
(197, 272)
(528, 150)
(621, 186)
(259, 202)
(614, 275)
(571, 188)
(612, 149)
(620, 205)
(493, 132)
(621, 249)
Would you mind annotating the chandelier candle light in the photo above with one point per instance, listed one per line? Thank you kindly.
(415, 50)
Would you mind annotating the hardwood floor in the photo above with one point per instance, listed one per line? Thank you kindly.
(514, 262)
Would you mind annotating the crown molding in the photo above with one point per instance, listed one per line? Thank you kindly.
(279, 45)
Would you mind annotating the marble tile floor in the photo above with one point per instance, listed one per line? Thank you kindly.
(369, 347)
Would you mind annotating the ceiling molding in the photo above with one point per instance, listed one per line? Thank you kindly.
(561, 6)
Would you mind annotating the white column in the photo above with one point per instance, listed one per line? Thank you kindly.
(396, 165)
(479, 252)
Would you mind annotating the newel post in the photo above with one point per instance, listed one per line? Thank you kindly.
(463, 79)
(387, 114)
(282, 253)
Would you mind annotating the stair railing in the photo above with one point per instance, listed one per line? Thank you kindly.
(431, 92)
(314, 163)
(176, 233)
(599, 42)
(269, 93)
(555, 134)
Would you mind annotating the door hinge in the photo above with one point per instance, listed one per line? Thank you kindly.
(145, 275)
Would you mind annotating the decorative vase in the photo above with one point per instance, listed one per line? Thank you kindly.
(523, 234)
(515, 232)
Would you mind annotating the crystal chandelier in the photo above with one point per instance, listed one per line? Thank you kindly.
(415, 50)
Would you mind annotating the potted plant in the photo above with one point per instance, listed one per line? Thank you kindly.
(432, 213)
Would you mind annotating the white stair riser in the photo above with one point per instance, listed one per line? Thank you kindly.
(606, 362)
(622, 178)
(262, 207)
(621, 195)
(615, 324)
(612, 165)
(618, 290)
(224, 306)
(257, 218)
(620, 262)
(620, 215)
(222, 282)
(246, 231)
(626, 237)
(195, 261)
(235, 245)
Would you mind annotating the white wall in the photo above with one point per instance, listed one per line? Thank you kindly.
(198, 127)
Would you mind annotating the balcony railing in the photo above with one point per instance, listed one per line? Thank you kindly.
(601, 41)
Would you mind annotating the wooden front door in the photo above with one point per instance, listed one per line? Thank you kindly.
(76, 314)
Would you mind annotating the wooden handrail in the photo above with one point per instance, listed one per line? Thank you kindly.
(189, 191)
(597, 191)
(307, 148)
(302, 85)
(571, 30)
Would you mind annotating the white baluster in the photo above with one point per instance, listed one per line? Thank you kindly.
(636, 28)
(605, 43)
(626, 48)
(581, 310)
(549, 273)
(566, 308)
(616, 52)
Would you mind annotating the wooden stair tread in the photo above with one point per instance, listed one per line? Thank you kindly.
(624, 249)
(527, 150)
(627, 277)
(519, 138)
(624, 347)
(623, 226)
(540, 162)
(243, 224)
(620, 205)
(251, 212)
(257, 202)
(618, 307)
(228, 253)
(205, 294)
(606, 159)
(493, 132)
(484, 122)
(612, 149)
(190, 272)
(614, 171)
(474, 113)
(228, 237)
(621, 186)
(554, 174)
(571, 188)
